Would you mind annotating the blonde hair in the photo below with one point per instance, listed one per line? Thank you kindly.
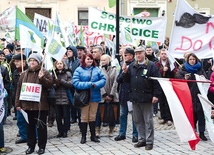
(106, 56)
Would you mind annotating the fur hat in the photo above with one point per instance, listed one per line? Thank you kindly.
(36, 56)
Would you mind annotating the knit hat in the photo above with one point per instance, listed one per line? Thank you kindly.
(130, 51)
(18, 57)
(1, 52)
(36, 56)
(10, 47)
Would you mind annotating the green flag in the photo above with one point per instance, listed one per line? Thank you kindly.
(111, 3)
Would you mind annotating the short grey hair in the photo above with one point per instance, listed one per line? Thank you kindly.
(99, 48)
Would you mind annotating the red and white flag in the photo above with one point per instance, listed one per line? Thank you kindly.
(180, 103)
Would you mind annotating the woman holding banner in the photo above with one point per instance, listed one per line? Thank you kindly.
(193, 66)
(31, 97)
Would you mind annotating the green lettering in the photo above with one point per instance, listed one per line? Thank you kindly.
(141, 21)
(155, 34)
(23, 87)
(134, 30)
(94, 25)
(127, 20)
(121, 19)
(101, 25)
(104, 15)
(111, 17)
(149, 22)
(111, 27)
(146, 33)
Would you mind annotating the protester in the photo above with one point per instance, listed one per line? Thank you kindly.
(150, 54)
(88, 76)
(80, 51)
(97, 52)
(142, 96)
(163, 66)
(124, 88)
(6, 80)
(8, 54)
(72, 63)
(37, 111)
(109, 94)
(193, 66)
(62, 81)
(21, 122)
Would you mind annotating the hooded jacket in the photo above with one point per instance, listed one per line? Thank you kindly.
(72, 62)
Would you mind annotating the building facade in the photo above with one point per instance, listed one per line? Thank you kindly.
(77, 10)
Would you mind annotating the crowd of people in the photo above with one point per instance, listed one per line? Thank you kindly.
(112, 91)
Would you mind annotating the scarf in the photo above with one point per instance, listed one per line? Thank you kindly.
(192, 68)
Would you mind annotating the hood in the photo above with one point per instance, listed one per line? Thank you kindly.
(74, 49)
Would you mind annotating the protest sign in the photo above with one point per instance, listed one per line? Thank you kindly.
(149, 28)
(7, 19)
(30, 92)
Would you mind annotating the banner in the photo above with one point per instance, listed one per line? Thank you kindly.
(7, 19)
(192, 32)
(31, 92)
(149, 28)
(41, 23)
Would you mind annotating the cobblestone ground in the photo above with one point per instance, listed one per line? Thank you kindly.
(166, 142)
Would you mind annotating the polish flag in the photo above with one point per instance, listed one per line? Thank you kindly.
(180, 103)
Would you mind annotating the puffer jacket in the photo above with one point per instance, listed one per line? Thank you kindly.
(65, 83)
(110, 88)
(31, 76)
(83, 78)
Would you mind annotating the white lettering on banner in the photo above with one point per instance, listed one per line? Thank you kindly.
(31, 92)
(149, 28)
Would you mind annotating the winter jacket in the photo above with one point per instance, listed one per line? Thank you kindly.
(15, 79)
(110, 88)
(31, 76)
(192, 86)
(124, 86)
(83, 78)
(73, 62)
(65, 83)
(143, 89)
(6, 78)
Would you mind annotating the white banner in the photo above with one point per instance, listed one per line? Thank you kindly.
(149, 28)
(192, 32)
(41, 23)
(31, 92)
(7, 20)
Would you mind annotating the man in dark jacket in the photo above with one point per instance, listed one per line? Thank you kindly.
(124, 88)
(143, 93)
(72, 63)
(21, 123)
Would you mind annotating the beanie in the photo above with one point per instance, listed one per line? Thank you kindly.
(36, 56)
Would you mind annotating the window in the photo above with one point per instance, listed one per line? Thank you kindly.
(83, 16)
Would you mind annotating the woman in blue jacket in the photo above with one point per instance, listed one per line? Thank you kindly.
(88, 76)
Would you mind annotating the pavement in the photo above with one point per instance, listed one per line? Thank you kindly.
(166, 142)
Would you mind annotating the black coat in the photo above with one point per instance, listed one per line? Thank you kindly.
(143, 89)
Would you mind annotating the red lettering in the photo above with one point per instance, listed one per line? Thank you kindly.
(199, 45)
(183, 38)
(211, 43)
(208, 26)
(37, 89)
(28, 88)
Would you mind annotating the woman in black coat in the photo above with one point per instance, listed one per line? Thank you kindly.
(193, 66)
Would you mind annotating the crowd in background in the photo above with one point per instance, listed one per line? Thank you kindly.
(111, 91)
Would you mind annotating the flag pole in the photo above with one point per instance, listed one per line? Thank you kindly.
(22, 58)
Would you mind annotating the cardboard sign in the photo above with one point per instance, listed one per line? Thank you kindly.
(31, 92)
